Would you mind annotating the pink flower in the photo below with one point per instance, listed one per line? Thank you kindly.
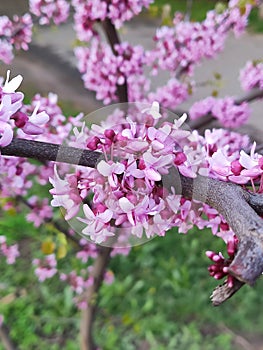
(34, 124)
(45, 268)
(97, 225)
(111, 171)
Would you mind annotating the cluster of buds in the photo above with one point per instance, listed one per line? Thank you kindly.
(220, 267)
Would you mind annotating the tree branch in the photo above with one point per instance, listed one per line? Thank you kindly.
(88, 314)
(202, 122)
(44, 151)
(113, 39)
(5, 338)
(239, 207)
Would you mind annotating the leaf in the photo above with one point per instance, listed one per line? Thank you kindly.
(48, 247)
(62, 251)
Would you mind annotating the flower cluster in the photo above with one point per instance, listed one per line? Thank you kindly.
(219, 268)
(46, 267)
(11, 114)
(16, 33)
(118, 11)
(251, 76)
(180, 47)
(238, 168)
(9, 251)
(103, 70)
(50, 10)
(229, 113)
(130, 185)
(170, 95)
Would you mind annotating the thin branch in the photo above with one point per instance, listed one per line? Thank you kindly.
(88, 315)
(250, 96)
(113, 39)
(207, 119)
(223, 292)
(56, 224)
(5, 338)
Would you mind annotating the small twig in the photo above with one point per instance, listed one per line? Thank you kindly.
(189, 5)
(88, 314)
(113, 39)
(205, 120)
(238, 339)
(223, 292)
(5, 338)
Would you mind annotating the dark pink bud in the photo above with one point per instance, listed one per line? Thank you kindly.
(20, 119)
(110, 134)
(260, 163)
(209, 254)
(180, 158)
(231, 248)
(219, 275)
(93, 143)
(224, 226)
(19, 170)
(141, 165)
(236, 167)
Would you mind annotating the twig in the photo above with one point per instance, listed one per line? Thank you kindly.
(5, 338)
(88, 314)
(238, 339)
(113, 39)
(202, 122)
(56, 224)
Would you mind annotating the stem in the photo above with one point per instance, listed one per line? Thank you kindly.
(5, 338)
(88, 314)
(204, 121)
(113, 39)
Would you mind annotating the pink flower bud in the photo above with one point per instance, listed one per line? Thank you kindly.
(93, 143)
(236, 167)
(180, 158)
(110, 134)
(224, 226)
(141, 165)
(20, 119)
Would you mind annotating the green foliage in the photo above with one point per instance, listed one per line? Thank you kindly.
(159, 299)
(199, 10)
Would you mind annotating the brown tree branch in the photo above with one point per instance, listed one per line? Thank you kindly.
(5, 338)
(202, 122)
(113, 39)
(239, 207)
(88, 315)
